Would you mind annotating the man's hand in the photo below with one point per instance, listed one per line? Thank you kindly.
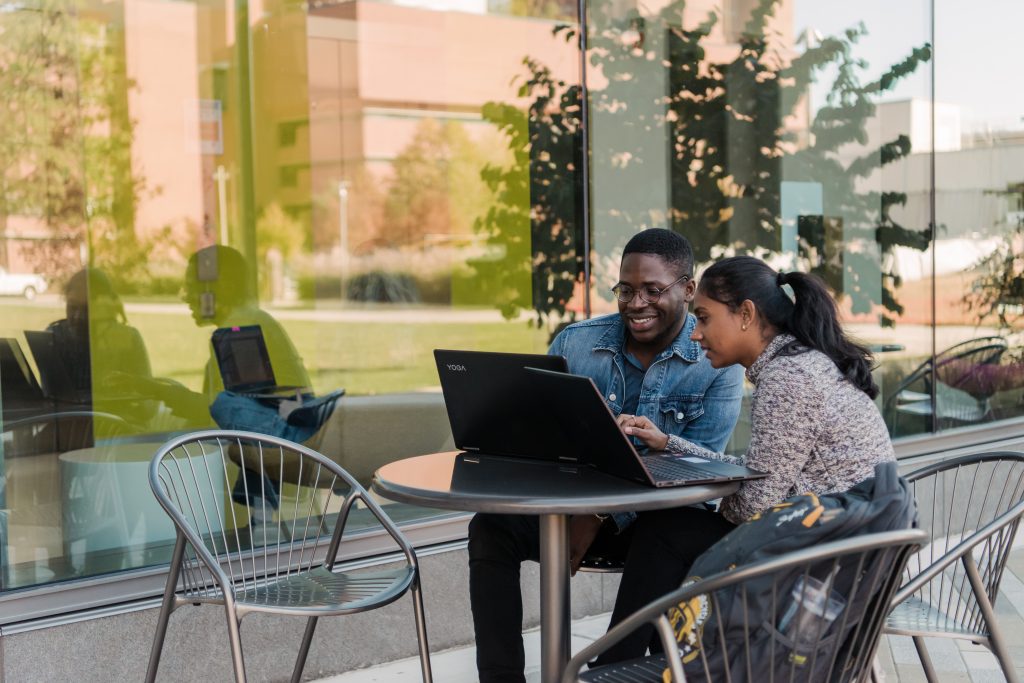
(582, 532)
(647, 431)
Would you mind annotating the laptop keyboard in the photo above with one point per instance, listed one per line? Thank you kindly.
(667, 469)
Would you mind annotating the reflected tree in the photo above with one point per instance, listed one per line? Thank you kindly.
(998, 286)
(436, 189)
(536, 221)
(736, 128)
(65, 137)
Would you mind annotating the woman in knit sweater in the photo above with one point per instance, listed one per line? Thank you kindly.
(814, 424)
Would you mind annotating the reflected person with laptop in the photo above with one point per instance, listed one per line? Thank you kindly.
(251, 353)
(814, 424)
(643, 363)
(220, 292)
(97, 356)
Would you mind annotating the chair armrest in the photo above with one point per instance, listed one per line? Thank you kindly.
(359, 493)
(956, 552)
(655, 610)
(202, 552)
(385, 521)
(668, 644)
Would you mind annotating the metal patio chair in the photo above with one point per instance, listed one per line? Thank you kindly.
(92, 498)
(873, 564)
(951, 373)
(58, 432)
(276, 553)
(972, 507)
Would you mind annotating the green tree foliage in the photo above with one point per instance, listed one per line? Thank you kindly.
(65, 137)
(535, 9)
(535, 221)
(735, 134)
(436, 188)
(998, 286)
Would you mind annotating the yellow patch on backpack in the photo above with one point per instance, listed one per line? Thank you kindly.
(687, 620)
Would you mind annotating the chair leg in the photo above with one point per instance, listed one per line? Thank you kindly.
(995, 637)
(926, 661)
(307, 640)
(166, 607)
(421, 630)
(235, 636)
(998, 646)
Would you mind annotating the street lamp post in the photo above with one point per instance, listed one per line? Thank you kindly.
(343, 233)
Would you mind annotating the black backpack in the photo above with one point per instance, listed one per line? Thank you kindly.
(881, 503)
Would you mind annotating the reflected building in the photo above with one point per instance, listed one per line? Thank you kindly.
(405, 176)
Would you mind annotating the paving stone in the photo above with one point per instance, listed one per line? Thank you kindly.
(980, 660)
(987, 676)
(1012, 591)
(968, 646)
(908, 673)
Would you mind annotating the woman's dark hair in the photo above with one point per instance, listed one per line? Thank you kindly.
(810, 316)
(93, 283)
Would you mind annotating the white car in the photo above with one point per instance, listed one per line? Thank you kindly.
(21, 284)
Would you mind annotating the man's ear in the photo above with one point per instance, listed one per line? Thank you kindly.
(690, 290)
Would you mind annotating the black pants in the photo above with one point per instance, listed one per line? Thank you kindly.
(664, 546)
(498, 545)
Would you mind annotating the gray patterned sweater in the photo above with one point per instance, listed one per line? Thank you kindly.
(811, 430)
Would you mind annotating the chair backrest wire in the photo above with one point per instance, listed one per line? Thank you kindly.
(957, 499)
(279, 520)
(838, 651)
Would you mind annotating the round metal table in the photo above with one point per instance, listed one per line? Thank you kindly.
(461, 481)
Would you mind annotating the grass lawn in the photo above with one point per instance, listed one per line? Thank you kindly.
(364, 358)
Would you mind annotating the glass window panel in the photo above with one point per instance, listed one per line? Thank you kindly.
(979, 197)
(775, 129)
(362, 181)
(880, 191)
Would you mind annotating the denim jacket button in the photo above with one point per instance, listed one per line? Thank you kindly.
(611, 397)
(680, 416)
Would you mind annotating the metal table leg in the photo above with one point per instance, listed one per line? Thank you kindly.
(554, 596)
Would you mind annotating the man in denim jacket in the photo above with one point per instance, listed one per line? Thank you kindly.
(644, 363)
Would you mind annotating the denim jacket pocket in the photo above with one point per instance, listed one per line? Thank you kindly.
(677, 411)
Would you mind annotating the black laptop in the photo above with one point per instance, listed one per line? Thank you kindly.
(589, 425)
(244, 362)
(18, 381)
(493, 407)
(55, 376)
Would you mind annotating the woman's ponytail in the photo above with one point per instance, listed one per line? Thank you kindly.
(814, 321)
(810, 315)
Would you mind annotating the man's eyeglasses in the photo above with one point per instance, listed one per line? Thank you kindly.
(650, 295)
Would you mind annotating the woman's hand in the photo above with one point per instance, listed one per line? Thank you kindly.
(639, 426)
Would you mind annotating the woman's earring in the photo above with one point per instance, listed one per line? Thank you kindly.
(743, 327)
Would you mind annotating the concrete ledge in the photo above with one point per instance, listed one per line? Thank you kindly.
(366, 432)
(117, 648)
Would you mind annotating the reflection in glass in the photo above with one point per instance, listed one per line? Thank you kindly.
(762, 128)
(395, 178)
(979, 185)
(338, 164)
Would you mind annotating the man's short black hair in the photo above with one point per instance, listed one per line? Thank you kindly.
(667, 244)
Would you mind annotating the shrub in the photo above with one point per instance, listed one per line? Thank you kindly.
(380, 286)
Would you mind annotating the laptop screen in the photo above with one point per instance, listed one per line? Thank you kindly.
(16, 376)
(243, 359)
(491, 405)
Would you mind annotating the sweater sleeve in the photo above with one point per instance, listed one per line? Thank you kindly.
(677, 444)
(785, 416)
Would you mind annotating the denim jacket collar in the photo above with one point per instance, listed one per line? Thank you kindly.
(682, 346)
